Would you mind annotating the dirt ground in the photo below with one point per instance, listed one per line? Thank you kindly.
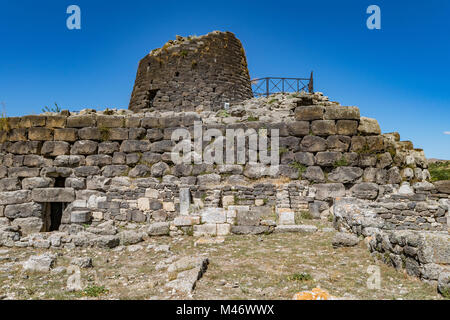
(263, 267)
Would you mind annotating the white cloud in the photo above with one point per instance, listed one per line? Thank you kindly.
(447, 132)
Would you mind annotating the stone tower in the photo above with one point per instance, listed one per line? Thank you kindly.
(193, 72)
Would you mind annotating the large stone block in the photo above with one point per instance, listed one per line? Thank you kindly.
(9, 184)
(53, 195)
(118, 134)
(81, 121)
(66, 134)
(115, 170)
(55, 148)
(40, 134)
(36, 182)
(309, 113)
(24, 210)
(323, 127)
(19, 134)
(328, 158)
(89, 133)
(80, 217)
(69, 161)
(23, 172)
(209, 229)
(28, 225)
(329, 191)
(314, 173)
(213, 215)
(345, 174)
(24, 147)
(368, 126)
(105, 121)
(365, 190)
(338, 143)
(298, 128)
(158, 229)
(341, 113)
(108, 147)
(55, 121)
(98, 160)
(313, 144)
(130, 146)
(84, 147)
(347, 127)
(443, 186)
(32, 121)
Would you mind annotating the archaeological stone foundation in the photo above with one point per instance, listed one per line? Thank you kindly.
(71, 179)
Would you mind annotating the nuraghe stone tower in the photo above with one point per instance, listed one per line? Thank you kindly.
(192, 72)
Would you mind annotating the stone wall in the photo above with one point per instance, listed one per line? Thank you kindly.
(117, 166)
(193, 73)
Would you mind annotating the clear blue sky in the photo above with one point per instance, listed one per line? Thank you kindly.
(398, 75)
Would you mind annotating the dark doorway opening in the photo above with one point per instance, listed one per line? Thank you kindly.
(151, 96)
(60, 182)
(53, 212)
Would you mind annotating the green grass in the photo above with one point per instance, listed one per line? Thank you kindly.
(440, 171)
(341, 163)
(95, 291)
(55, 109)
(300, 167)
(300, 277)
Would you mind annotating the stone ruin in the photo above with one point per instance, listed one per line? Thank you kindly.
(191, 73)
(73, 179)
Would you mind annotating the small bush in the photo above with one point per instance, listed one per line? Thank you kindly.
(341, 163)
(300, 277)
(300, 167)
(95, 291)
(252, 118)
(440, 171)
(55, 109)
(104, 133)
(223, 114)
(306, 215)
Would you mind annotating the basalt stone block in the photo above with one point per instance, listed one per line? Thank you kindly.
(309, 113)
(9, 184)
(358, 144)
(40, 134)
(314, 173)
(76, 183)
(368, 126)
(115, 170)
(154, 134)
(105, 121)
(53, 194)
(298, 128)
(290, 143)
(89, 133)
(131, 146)
(28, 225)
(162, 146)
(118, 134)
(108, 147)
(365, 190)
(67, 134)
(32, 121)
(36, 182)
(23, 210)
(137, 133)
(139, 171)
(81, 121)
(375, 143)
(159, 169)
(20, 134)
(15, 197)
(347, 127)
(55, 121)
(443, 186)
(305, 158)
(24, 147)
(150, 122)
(86, 171)
(56, 172)
(329, 191)
(341, 113)
(345, 174)
(323, 127)
(69, 161)
(55, 148)
(170, 122)
(84, 147)
(33, 160)
(23, 172)
(99, 160)
(339, 143)
(328, 158)
(313, 144)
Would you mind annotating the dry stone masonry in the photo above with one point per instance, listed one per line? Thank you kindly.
(192, 73)
(73, 179)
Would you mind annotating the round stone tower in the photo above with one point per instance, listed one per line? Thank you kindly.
(194, 72)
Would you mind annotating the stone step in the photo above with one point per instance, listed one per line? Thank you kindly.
(300, 228)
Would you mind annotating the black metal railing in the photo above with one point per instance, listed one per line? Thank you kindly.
(270, 85)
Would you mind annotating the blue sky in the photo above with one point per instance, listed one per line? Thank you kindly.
(398, 75)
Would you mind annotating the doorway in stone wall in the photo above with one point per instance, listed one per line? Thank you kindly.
(151, 96)
(53, 212)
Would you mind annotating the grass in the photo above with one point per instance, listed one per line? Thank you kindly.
(55, 109)
(223, 114)
(104, 133)
(95, 291)
(341, 163)
(300, 167)
(300, 277)
(252, 118)
(439, 171)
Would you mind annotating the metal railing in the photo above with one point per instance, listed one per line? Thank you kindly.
(270, 85)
